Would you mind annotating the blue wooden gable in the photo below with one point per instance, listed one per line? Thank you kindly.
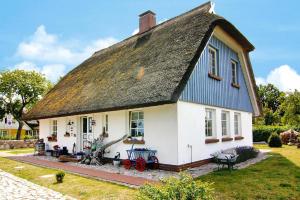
(202, 89)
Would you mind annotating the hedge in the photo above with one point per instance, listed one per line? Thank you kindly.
(262, 133)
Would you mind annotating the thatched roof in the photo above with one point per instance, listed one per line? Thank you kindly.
(144, 70)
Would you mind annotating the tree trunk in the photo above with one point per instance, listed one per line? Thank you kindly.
(18, 136)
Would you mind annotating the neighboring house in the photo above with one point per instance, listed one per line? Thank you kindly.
(9, 127)
(184, 87)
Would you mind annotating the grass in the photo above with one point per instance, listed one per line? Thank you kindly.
(277, 177)
(19, 151)
(73, 185)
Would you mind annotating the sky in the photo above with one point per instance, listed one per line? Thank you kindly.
(54, 36)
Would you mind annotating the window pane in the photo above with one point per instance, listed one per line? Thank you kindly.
(84, 125)
(90, 125)
(140, 132)
(134, 116)
(141, 115)
(133, 124)
(140, 124)
(133, 132)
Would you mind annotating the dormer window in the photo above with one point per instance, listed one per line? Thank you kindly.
(213, 61)
(234, 74)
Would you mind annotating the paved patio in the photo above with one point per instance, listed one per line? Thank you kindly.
(98, 174)
(15, 188)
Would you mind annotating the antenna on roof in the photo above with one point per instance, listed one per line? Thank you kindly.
(212, 8)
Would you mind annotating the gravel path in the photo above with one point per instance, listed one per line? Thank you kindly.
(15, 188)
(156, 175)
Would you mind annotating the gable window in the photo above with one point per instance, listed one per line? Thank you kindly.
(136, 123)
(234, 74)
(213, 61)
(237, 124)
(209, 122)
(225, 123)
(54, 127)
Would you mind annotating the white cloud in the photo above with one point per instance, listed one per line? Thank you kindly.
(135, 31)
(46, 47)
(283, 77)
(54, 55)
(51, 71)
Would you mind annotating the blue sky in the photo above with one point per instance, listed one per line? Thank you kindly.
(54, 36)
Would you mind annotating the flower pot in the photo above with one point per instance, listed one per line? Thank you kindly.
(59, 179)
(116, 163)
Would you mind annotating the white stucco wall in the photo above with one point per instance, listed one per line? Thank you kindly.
(191, 130)
(168, 129)
(160, 126)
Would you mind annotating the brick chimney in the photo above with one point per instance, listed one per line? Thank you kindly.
(147, 21)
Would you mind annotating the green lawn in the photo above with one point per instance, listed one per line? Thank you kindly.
(19, 151)
(73, 185)
(277, 177)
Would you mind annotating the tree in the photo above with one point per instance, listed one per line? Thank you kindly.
(270, 96)
(19, 91)
(291, 108)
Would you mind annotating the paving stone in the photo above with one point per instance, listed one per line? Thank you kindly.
(15, 188)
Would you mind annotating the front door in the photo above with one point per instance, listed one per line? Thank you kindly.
(86, 132)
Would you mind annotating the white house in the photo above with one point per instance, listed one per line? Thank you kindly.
(184, 87)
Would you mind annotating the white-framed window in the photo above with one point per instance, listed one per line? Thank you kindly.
(213, 61)
(225, 123)
(237, 124)
(210, 122)
(234, 74)
(54, 127)
(3, 133)
(136, 119)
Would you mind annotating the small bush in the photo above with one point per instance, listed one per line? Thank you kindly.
(262, 133)
(60, 176)
(245, 153)
(182, 188)
(274, 140)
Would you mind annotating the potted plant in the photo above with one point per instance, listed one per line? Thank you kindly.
(67, 134)
(117, 160)
(60, 176)
(52, 138)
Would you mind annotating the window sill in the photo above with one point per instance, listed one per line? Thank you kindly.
(133, 141)
(238, 137)
(209, 141)
(227, 139)
(235, 85)
(214, 77)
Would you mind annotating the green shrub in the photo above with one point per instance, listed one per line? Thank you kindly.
(182, 188)
(60, 176)
(7, 138)
(274, 140)
(29, 137)
(262, 133)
